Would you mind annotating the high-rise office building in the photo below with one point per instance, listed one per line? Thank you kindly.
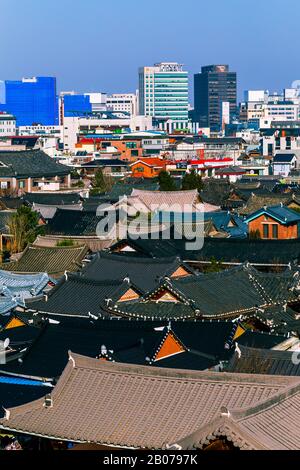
(212, 87)
(163, 93)
(32, 100)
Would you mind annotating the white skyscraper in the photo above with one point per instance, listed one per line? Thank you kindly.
(163, 93)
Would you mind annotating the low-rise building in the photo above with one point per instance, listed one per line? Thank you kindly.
(284, 163)
(276, 222)
(7, 124)
(147, 167)
(27, 171)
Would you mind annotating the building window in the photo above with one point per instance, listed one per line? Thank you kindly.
(265, 231)
(274, 231)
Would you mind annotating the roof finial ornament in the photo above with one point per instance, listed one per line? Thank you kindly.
(7, 413)
(173, 447)
(66, 275)
(71, 358)
(92, 316)
(127, 279)
(225, 411)
(169, 326)
(48, 402)
(238, 351)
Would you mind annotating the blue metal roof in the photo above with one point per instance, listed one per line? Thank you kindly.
(21, 381)
(280, 213)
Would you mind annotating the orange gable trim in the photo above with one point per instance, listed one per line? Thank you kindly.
(129, 295)
(165, 296)
(239, 332)
(180, 272)
(170, 347)
(14, 323)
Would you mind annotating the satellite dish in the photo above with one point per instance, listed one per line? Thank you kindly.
(6, 343)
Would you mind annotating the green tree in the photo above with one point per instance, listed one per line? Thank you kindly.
(65, 243)
(214, 266)
(23, 226)
(192, 181)
(254, 234)
(101, 183)
(166, 182)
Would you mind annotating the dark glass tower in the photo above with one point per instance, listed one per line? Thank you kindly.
(213, 86)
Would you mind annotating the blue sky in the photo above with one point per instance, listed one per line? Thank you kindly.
(98, 45)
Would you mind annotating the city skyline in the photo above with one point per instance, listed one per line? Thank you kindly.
(122, 38)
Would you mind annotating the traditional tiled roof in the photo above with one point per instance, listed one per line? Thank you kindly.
(56, 198)
(8, 202)
(229, 223)
(257, 202)
(7, 303)
(183, 199)
(264, 361)
(77, 296)
(232, 292)
(125, 188)
(215, 192)
(263, 339)
(124, 341)
(153, 248)
(204, 344)
(73, 223)
(230, 250)
(271, 424)
(143, 272)
(140, 407)
(18, 391)
(21, 287)
(48, 212)
(20, 339)
(152, 310)
(54, 261)
(31, 163)
(279, 318)
(226, 250)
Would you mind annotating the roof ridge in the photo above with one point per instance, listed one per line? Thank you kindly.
(135, 259)
(181, 374)
(243, 413)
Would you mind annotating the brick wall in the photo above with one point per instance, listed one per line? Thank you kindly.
(284, 232)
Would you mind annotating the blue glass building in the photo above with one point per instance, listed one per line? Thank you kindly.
(32, 100)
(77, 105)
